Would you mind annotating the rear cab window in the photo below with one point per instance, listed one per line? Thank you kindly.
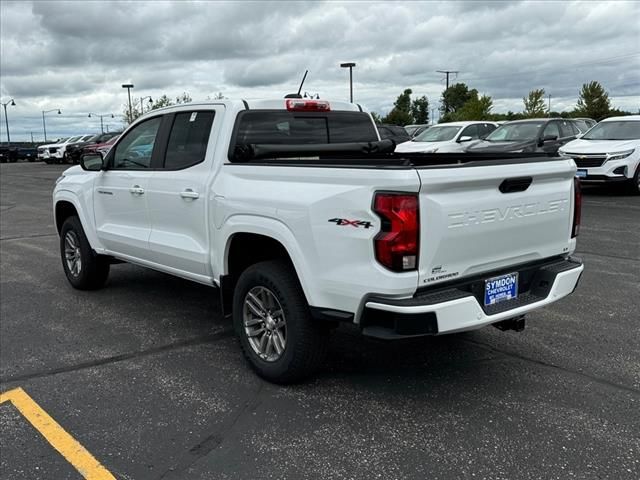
(300, 128)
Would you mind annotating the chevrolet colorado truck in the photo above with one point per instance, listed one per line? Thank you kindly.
(302, 218)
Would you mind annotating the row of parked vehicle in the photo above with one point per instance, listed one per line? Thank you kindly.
(70, 149)
(608, 151)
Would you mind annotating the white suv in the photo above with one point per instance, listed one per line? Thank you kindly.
(608, 152)
(447, 137)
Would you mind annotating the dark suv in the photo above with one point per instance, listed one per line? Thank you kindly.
(533, 135)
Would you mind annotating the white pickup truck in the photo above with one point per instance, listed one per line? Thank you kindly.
(296, 213)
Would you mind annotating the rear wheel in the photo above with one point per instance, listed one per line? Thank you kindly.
(84, 269)
(272, 320)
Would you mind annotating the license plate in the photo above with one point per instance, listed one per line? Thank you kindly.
(500, 289)
(581, 174)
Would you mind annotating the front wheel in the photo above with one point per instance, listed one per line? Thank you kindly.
(84, 269)
(634, 184)
(272, 320)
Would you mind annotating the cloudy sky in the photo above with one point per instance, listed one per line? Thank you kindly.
(76, 55)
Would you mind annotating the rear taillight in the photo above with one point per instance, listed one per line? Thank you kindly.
(577, 207)
(396, 245)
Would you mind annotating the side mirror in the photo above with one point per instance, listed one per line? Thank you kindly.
(465, 138)
(92, 162)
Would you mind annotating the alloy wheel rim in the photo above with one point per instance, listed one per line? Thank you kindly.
(72, 255)
(264, 324)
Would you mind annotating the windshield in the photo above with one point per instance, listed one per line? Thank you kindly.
(622, 130)
(73, 139)
(438, 133)
(515, 132)
(62, 140)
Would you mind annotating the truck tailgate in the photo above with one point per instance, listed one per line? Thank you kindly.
(476, 219)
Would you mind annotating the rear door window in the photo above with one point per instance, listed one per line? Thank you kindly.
(566, 129)
(551, 130)
(188, 139)
(470, 131)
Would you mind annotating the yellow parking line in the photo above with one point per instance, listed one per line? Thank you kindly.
(59, 439)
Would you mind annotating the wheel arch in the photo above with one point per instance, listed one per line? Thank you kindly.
(67, 204)
(250, 243)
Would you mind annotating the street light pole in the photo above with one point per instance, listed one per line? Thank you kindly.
(44, 125)
(350, 66)
(129, 86)
(6, 119)
(142, 104)
(101, 117)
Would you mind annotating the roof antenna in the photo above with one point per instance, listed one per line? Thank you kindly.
(297, 95)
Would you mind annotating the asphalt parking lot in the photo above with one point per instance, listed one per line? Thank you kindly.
(147, 377)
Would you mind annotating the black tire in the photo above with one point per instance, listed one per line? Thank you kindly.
(634, 184)
(93, 269)
(306, 340)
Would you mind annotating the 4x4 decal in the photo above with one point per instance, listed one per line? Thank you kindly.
(343, 222)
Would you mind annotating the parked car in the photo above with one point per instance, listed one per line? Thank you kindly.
(393, 132)
(58, 151)
(46, 151)
(584, 124)
(447, 137)
(609, 152)
(76, 151)
(533, 135)
(8, 154)
(227, 199)
(104, 148)
(416, 129)
(27, 153)
(72, 152)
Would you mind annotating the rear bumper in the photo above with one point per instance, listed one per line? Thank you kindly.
(459, 307)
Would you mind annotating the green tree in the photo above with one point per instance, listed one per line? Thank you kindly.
(420, 110)
(135, 110)
(184, 98)
(376, 118)
(474, 109)
(593, 102)
(454, 98)
(162, 101)
(534, 105)
(400, 114)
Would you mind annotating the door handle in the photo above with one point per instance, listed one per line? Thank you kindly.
(189, 193)
(136, 190)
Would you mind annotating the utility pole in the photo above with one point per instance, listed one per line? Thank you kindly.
(549, 114)
(447, 73)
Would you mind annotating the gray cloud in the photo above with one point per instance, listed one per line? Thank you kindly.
(77, 54)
